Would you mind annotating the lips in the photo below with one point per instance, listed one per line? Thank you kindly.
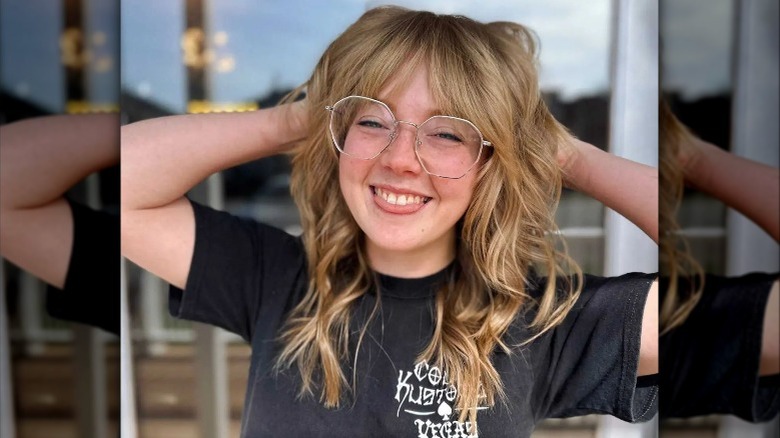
(401, 199)
(398, 201)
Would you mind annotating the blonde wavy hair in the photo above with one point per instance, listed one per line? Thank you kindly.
(676, 260)
(486, 73)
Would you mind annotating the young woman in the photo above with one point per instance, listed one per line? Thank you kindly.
(426, 293)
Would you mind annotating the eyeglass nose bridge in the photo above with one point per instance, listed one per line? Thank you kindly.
(394, 134)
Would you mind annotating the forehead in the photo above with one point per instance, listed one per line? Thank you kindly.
(408, 94)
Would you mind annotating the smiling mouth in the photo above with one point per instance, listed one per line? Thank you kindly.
(401, 199)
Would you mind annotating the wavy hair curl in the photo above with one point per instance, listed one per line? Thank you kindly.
(685, 276)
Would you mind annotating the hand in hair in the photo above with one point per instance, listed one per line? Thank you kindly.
(297, 119)
(566, 155)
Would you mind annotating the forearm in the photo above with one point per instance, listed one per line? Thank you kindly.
(749, 187)
(628, 187)
(41, 158)
(163, 158)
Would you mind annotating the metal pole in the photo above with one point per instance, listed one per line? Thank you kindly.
(633, 135)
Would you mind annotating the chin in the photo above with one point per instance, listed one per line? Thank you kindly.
(392, 242)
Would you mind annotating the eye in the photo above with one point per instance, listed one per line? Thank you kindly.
(371, 123)
(448, 137)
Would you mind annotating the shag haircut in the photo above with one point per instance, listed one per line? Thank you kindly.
(483, 72)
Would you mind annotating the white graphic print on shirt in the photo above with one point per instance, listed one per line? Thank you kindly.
(427, 393)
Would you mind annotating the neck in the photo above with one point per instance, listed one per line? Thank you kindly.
(420, 262)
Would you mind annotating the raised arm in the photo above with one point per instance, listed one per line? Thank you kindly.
(628, 187)
(164, 158)
(631, 189)
(750, 187)
(753, 189)
(40, 159)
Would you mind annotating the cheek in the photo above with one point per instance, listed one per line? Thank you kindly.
(457, 194)
(350, 170)
(352, 175)
(342, 173)
(344, 178)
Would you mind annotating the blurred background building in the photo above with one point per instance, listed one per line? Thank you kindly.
(57, 379)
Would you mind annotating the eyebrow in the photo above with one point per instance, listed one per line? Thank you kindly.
(428, 114)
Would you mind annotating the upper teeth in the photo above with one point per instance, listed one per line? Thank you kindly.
(400, 199)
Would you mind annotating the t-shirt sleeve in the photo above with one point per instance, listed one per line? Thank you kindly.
(238, 266)
(710, 363)
(589, 362)
(91, 291)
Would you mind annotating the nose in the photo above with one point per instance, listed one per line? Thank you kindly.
(400, 155)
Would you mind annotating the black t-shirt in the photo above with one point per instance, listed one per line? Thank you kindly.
(245, 277)
(91, 292)
(709, 364)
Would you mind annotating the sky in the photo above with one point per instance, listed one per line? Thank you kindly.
(30, 51)
(277, 43)
(260, 45)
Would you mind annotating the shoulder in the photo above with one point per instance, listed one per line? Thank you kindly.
(722, 294)
(603, 301)
(234, 247)
(211, 223)
(243, 275)
(587, 363)
(625, 285)
(620, 288)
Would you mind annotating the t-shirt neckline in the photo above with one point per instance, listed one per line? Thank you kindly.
(413, 288)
